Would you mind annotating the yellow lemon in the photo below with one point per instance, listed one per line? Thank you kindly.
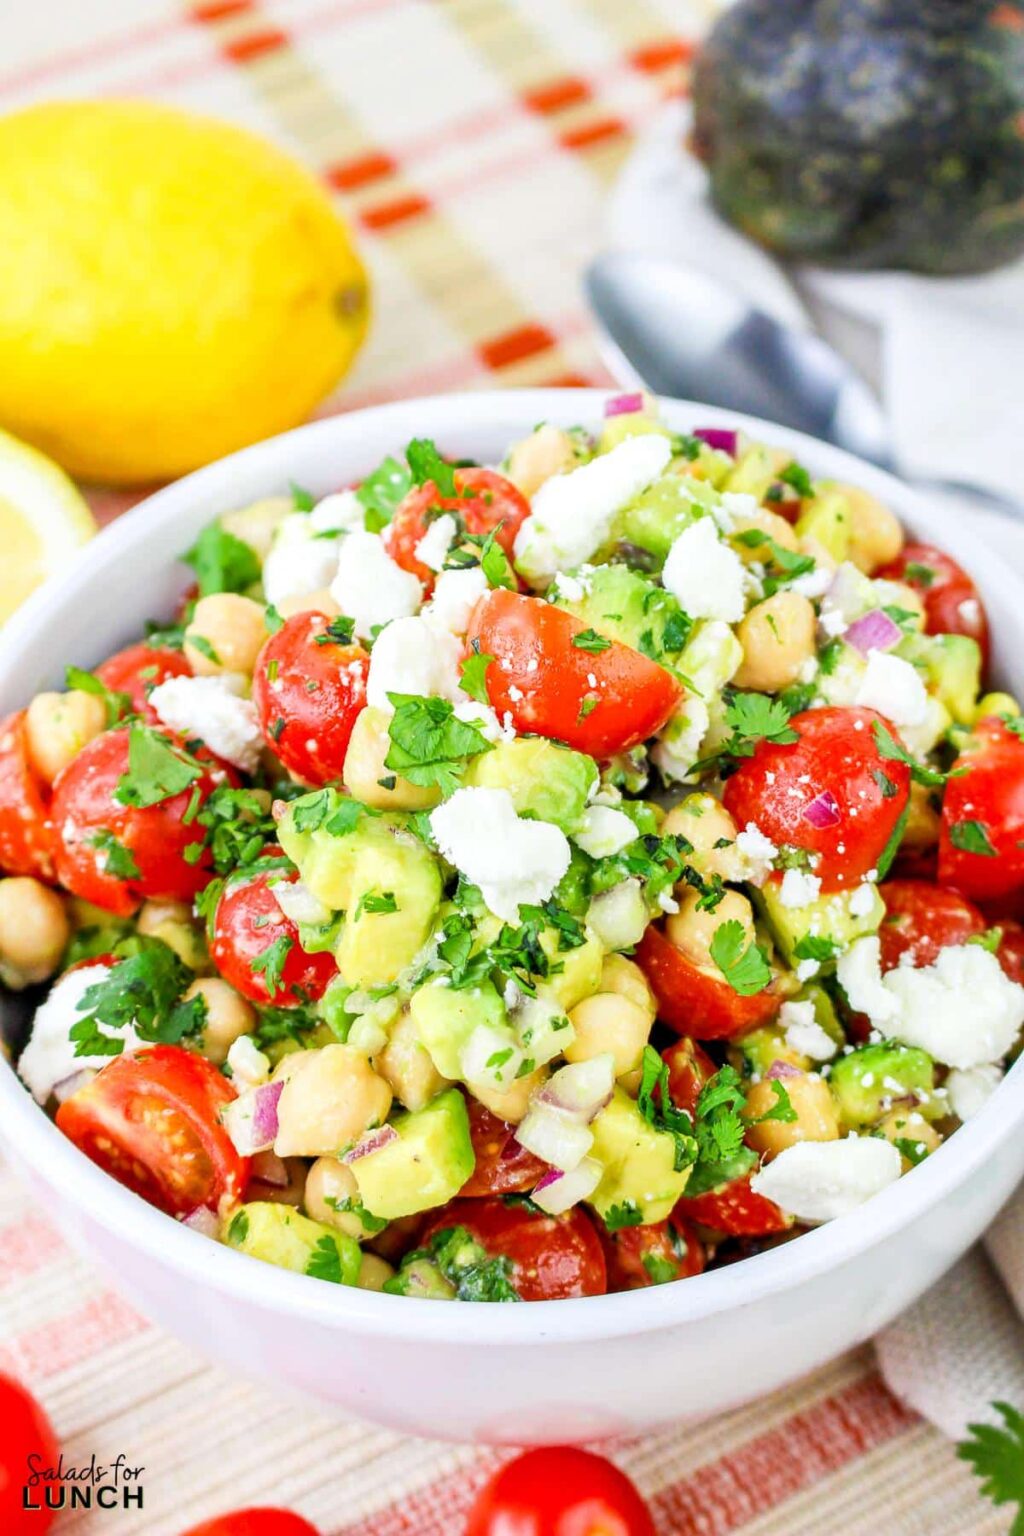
(171, 288)
(43, 520)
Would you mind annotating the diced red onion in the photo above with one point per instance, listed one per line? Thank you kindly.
(268, 1168)
(203, 1220)
(251, 1119)
(624, 405)
(726, 440)
(554, 1136)
(373, 1141)
(782, 1069)
(581, 1089)
(69, 1085)
(875, 631)
(846, 591)
(822, 811)
(558, 1192)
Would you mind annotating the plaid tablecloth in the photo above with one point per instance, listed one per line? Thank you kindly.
(472, 143)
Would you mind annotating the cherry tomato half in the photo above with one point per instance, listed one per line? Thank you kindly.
(116, 855)
(28, 843)
(735, 1209)
(255, 1522)
(689, 1068)
(600, 702)
(559, 1491)
(551, 1256)
(308, 690)
(1010, 953)
(138, 669)
(981, 839)
(952, 605)
(503, 1167)
(653, 1255)
(28, 1449)
(256, 948)
(920, 919)
(484, 500)
(152, 1121)
(830, 793)
(693, 1001)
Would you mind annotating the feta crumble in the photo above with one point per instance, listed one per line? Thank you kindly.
(433, 548)
(704, 575)
(370, 588)
(817, 1181)
(212, 709)
(799, 889)
(758, 850)
(411, 655)
(511, 859)
(971, 1087)
(803, 1032)
(894, 688)
(456, 594)
(298, 563)
(49, 1057)
(605, 832)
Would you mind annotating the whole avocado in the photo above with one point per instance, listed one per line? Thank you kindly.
(868, 133)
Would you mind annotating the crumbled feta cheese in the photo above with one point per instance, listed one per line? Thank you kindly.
(705, 575)
(972, 1087)
(298, 903)
(963, 1009)
(456, 594)
(863, 900)
(832, 622)
(679, 748)
(212, 709)
(806, 969)
(511, 859)
(799, 889)
(817, 1181)
(486, 720)
(758, 850)
(249, 1066)
(370, 588)
(605, 832)
(411, 655)
(812, 584)
(803, 1032)
(894, 688)
(298, 562)
(572, 513)
(433, 548)
(341, 512)
(49, 1057)
(735, 504)
(570, 588)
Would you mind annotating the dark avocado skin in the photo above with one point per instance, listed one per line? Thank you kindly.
(868, 133)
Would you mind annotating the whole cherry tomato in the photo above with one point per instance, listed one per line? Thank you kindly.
(308, 689)
(551, 1256)
(1010, 953)
(483, 500)
(698, 1002)
(28, 1449)
(952, 605)
(138, 669)
(503, 1167)
(601, 702)
(735, 1209)
(255, 1522)
(256, 947)
(981, 839)
(653, 1255)
(920, 919)
(117, 854)
(28, 843)
(830, 792)
(689, 1068)
(152, 1121)
(559, 1491)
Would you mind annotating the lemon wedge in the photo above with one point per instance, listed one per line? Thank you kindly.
(43, 520)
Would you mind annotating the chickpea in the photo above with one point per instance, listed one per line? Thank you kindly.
(817, 1118)
(34, 931)
(609, 1022)
(769, 523)
(364, 768)
(692, 930)
(911, 1126)
(58, 726)
(330, 1184)
(875, 533)
(330, 1098)
(923, 821)
(513, 1104)
(320, 601)
(225, 634)
(373, 1272)
(777, 637)
(995, 704)
(546, 452)
(705, 823)
(626, 979)
(256, 524)
(172, 922)
(405, 1063)
(227, 1016)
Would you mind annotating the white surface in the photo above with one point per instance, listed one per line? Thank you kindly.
(568, 1370)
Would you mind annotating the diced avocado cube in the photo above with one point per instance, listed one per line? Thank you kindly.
(446, 1017)
(826, 520)
(420, 1276)
(426, 1166)
(756, 470)
(658, 516)
(616, 429)
(867, 1081)
(953, 667)
(324, 834)
(395, 890)
(710, 659)
(280, 1235)
(829, 920)
(639, 1173)
(546, 781)
(620, 604)
(767, 1044)
(579, 973)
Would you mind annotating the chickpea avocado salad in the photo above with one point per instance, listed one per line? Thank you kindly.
(525, 882)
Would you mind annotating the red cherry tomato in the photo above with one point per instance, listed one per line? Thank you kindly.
(693, 1001)
(920, 919)
(836, 756)
(152, 1121)
(138, 669)
(559, 1491)
(551, 1256)
(952, 605)
(735, 1209)
(651, 1255)
(485, 499)
(600, 702)
(981, 839)
(1010, 953)
(28, 1449)
(28, 843)
(255, 1522)
(503, 1167)
(249, 927)
(689, 1068)
(90, 821)
(308, 690)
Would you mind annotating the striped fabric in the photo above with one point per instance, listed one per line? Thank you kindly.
(472, 143)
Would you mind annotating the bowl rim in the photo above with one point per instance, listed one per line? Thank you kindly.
(36, 1141)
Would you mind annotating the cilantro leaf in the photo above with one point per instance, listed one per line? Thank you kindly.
(473, 673)
(381, 493)
(222, 562)
(270, 962)
(811, 947)
(428, 467)
(972, 837)
(118, 861)
(302, 500)
(753, 717)
(429, 745)
(654, 1101)
(324, 1262)
(236, 827)
(660, 1271)
(918, 575)
(796, 476)
(893, 751)
(338, 632)
(157, 769)
(144, 989)
(117, 704)
(466, 1265)
(375, 904)
(590, 640)
(626, 1214)
(892, 847)
(743, 965)
(996, 1456)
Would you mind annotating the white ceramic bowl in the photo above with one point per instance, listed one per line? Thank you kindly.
(550, 1371)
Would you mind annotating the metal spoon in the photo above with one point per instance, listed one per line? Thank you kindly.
(682, 333)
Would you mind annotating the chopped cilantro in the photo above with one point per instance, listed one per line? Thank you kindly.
(743, 965)
(382, 492)
(892, 847)
(117, 705)
(324, 1262)
(473, 673)
(270, 962)
(885, 784)
(338, 632)
(918, 575)
(236, 826)
(796, 476)
(429, 745)
(117, 861)
(914, 1151)
(144, 989)
(238, 1227)
(812, 947)
(659, 1269)
(222, 562)
(590, 640)
(272, 619)
(352, 1205)
(375, 904)
(302, 500)
(972, 837)
(157, 770)
(894, 752)
(428, 467)
(830, 656)
(654, 1101)
(626, 1214)
(466, 1265)
(752, 718)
